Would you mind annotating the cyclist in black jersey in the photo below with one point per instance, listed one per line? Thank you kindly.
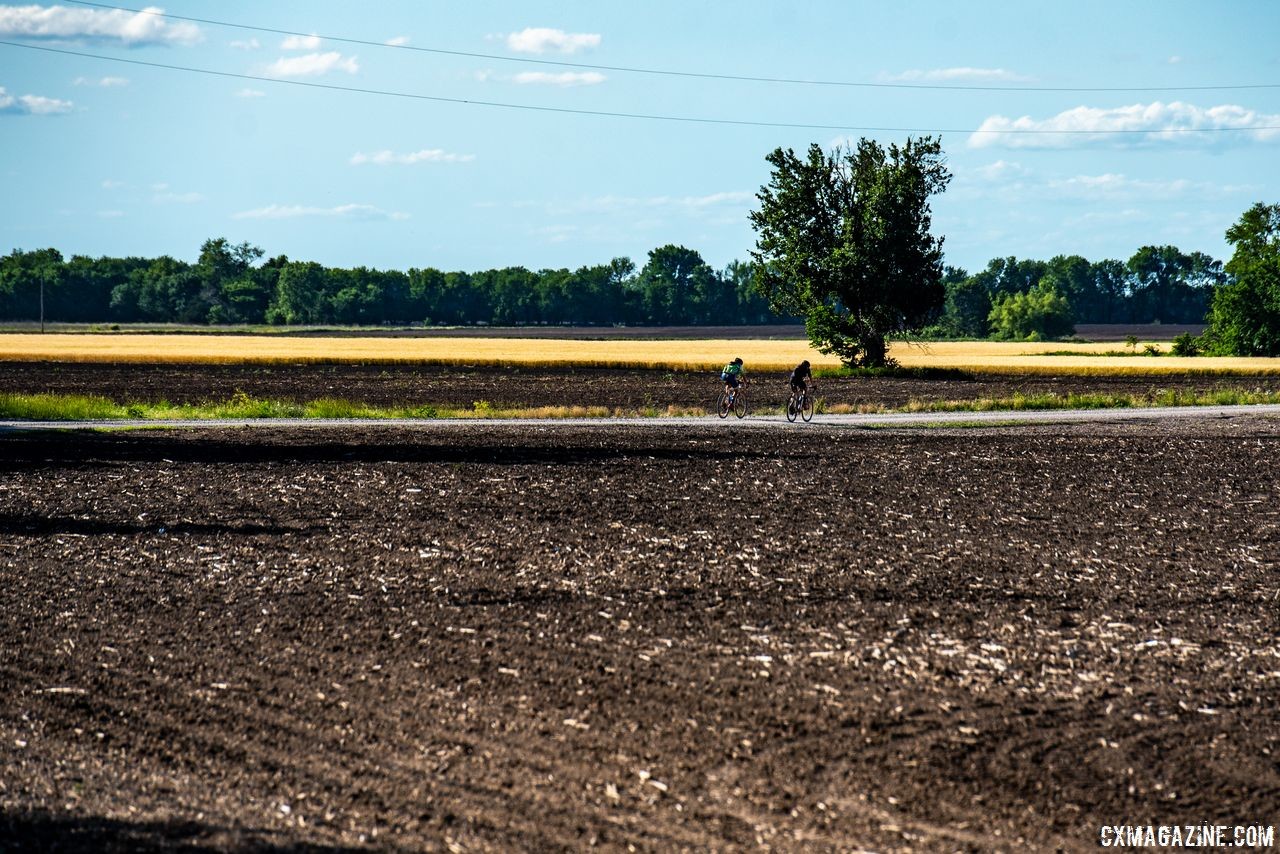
(801, 376)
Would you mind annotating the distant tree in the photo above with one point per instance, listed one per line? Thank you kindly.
(1038, 314)
(843, 240)
(1011, 275)
(301, 295)
(674, 285)
(222, 267)
(1108, 302)
(1244, 319)
(1171, 286)
(21, 275)
(967, 309)
(751, 305)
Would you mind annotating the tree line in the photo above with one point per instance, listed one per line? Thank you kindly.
(231, 283)
(1025, 298)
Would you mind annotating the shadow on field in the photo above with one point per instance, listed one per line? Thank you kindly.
(28, 523)
(28, 450)
(39, 831)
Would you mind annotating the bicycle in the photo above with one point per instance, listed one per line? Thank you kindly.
(733, 400)
(800, 403)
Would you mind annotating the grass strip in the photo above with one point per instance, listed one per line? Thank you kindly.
(1051, 401)
(59, 407)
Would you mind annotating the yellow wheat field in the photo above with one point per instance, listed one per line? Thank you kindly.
(694, 354)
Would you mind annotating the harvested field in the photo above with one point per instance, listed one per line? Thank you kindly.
(774, 354)
(513, 387)
(521, 637)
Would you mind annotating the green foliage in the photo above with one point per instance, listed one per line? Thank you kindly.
(1171, 286)
(967, 309)
(225, 286)
(843, 240)
(1244, 319)
(1041, 313)
(59, 407)
(1186, 344)
(1158, 284)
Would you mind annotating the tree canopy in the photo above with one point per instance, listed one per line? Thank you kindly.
(1244, 318)
(229, 283)
(843, 240)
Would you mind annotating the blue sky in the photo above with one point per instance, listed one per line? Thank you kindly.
(100, 157)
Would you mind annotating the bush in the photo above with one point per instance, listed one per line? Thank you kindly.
(1035, 315)
(1186, 344)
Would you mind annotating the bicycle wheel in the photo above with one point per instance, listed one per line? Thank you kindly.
(722, 406)
(791, 408)
(806, 407)
(740, 404)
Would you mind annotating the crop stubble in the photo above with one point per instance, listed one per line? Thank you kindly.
(523, 637)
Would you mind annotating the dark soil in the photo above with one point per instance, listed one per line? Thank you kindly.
(502, 638)
(510, 387)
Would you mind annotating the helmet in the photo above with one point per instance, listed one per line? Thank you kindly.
(805, 363)
(737, 361)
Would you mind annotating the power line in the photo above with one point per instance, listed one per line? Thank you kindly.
(611, 114)
(673, 73)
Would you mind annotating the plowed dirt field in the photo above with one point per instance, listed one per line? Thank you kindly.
(525, 638)
(508, 387)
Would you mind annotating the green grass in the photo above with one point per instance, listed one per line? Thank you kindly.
(1102, 353)
(1049, 401)
(58, 407)
(54, 407)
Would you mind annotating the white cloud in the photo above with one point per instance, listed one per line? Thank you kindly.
(1012, 182)
(426, 155)
(358, 212)
(695, 205)
(398, 41)
(103, 82)
(311, 42)
(1174, 60)
(176, 198)
(312, 64)
(562, 78)
(112, 184)
(545, 39)
(32, 105)
(1112, 186)
(251, 93)
(1137, 124)
(1001, 170)
(957, 76)
(110, 214)
(116, 25)
(246, 44)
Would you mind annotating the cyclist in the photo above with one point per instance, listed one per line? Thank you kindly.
(732, 375)
(799, 375)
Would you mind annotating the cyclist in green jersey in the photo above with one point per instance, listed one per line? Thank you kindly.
(732, 375)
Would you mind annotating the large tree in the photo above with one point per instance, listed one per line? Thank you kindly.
(1244, 319)
(843, 240)
(1172, 286)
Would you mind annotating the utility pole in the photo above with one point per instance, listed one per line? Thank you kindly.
(44, 274)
